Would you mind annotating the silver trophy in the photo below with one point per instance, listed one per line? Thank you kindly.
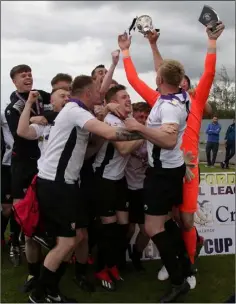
(143, 24)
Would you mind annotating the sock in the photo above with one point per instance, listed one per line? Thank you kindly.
(80, 269)
(15, 230)
(123, 243)
(164, 245)
(92, 235)
(175, 232)
(190, 240)
(48, 282)
(61, 271)
(4, 222)
(107, 244)
(34, 269)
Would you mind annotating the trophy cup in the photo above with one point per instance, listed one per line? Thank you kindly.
(209, 16)
(143, 24)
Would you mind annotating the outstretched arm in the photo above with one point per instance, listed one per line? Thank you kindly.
(107, 80)
(152, 38)
(148, 94)
(204, 86)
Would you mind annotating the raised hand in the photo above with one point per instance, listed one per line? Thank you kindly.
(115, 56)
(124, 41)
(152, 36)
(33, 97)
(214, 35)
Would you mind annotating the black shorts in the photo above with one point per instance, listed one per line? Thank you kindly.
(163, 189)
(111, 196)
(22, 173)
(136, 206)
(58, 204)
(6, 197)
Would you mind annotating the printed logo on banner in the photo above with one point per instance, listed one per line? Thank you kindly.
(204, 214)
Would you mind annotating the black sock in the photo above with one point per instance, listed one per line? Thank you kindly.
(47, 283)
(92, 235)
(34, 269)
(123, 243)
(61, 271)
(107, 243)
(15, 230)
(4, 222)
(80, 269)
(174, 231)
(164, 244)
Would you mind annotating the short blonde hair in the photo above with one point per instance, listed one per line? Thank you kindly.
(172, 72)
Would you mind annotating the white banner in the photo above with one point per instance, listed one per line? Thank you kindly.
(215, 218)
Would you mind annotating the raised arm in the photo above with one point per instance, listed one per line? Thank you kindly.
(24, 130)
(152, 38)
(148, 94)
(204, 86)
(107, 80)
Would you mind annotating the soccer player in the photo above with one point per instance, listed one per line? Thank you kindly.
(229, 145)
(25, 153)
(135, 174)
(57, 183)
(109, 167)
(199, 98)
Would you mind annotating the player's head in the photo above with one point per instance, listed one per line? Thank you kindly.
(84, 88)
(169, 75)
(185, 83)
(141, 111)
(215, 118)
(99, 71)
(61, 81)
(119, 95)
(21, 76)
(59, 97)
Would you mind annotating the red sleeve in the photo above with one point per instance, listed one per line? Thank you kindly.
(148, 94)
(204, 86)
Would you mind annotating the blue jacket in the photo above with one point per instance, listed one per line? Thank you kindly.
(230, 133)
(213, 132)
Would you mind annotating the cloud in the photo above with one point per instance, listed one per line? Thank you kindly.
(75, 36)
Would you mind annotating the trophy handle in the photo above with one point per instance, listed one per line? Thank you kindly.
(132, 27)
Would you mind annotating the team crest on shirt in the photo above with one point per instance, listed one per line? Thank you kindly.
(72, 226)
(145, 207)
(40, 138)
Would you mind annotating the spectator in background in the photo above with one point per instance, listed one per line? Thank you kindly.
(213, 132)
(229, 145)
(61, 80)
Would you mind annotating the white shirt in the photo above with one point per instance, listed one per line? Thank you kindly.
(136, 168)
(67, 144)
(168, 111)
(108, 160)
(42, 134)
(8, 139)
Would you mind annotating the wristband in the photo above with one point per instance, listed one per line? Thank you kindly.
(125, 53)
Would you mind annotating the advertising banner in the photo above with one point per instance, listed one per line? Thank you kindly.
(215, 218)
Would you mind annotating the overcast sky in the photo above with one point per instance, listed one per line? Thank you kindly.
(74, 37)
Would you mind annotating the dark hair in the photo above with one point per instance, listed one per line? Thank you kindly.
(141, 107)
(21, 68)
(215, 115)
(112, 92)
(61, 77)
(62, 88)
(79, 83)
(100, 66)
(188, 81)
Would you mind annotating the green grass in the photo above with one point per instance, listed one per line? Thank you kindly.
(215, 283)
(215, 280)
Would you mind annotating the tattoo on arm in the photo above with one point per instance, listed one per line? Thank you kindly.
(124, 135)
